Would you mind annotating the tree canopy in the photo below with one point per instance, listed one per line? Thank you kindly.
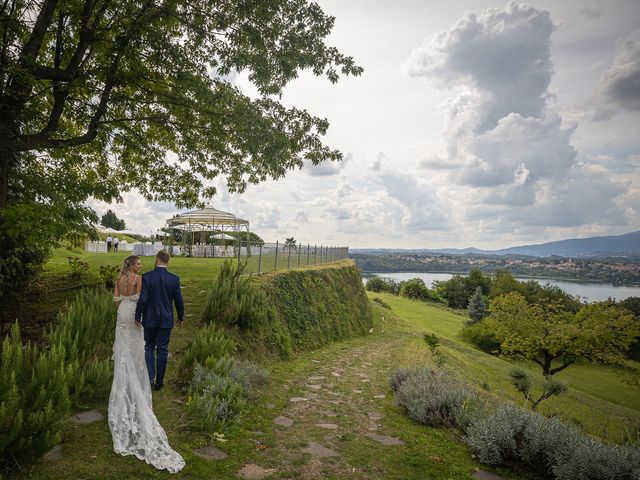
(101, 96)
(111, 220)
(599, 332)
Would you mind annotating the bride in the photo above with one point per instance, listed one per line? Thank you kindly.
(134, 427)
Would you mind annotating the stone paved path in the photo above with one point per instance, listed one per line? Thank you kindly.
(329, 420)
(336, 399)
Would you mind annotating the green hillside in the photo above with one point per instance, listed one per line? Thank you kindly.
(335, 396)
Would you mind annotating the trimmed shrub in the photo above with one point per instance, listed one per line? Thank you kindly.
(383, 284)
(514, 435)
(416, 289)
(209, 344)
(34, 399)
(434, 398)
(85, 330)
(483, 336)
(234, 300)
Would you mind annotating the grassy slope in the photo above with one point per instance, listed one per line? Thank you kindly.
(429, 453)
(598, 399)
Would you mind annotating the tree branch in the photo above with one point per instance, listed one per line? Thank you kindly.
(42, 140)
(565, 364)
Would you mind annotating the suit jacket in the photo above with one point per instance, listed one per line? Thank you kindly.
(160, 290)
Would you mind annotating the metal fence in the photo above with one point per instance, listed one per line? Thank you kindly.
(259, 257)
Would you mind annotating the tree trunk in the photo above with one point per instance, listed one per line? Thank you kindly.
(546, 366)
(8, 157)
(7, 160)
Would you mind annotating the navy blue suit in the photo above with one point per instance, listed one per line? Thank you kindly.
(160, 290)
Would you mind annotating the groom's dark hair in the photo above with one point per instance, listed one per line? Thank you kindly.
(163, 256)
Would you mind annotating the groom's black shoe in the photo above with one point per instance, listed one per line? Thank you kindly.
(158, 386)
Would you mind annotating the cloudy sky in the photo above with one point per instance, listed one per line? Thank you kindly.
(476, 123)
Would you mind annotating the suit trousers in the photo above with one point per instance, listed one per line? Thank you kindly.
(156, 349)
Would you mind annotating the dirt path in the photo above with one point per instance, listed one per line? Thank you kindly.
(332, 415)
(341, 398)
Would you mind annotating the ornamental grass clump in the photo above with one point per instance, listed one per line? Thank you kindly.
(433, 397)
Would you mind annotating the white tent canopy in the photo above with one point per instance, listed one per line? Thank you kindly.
(208, 218)
(222, 236)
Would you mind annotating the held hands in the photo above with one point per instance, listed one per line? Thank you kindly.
(180, 322)
(138, 324)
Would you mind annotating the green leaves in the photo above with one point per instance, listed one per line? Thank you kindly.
(599, 332)
(122, 84)
(99, 98)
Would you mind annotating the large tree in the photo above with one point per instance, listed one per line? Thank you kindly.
(111, 220)
(101, 96)
(555, 338)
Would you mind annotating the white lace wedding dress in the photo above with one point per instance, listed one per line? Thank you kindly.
(134, 427)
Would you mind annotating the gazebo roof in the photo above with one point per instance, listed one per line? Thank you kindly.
(207, 216)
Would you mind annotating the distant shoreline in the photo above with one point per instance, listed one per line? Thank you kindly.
(532, 277)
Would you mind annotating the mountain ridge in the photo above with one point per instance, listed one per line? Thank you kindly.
(590, 247)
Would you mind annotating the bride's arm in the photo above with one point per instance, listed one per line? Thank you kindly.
(116, 294)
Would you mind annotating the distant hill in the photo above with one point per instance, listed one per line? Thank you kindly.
(581, 247)
(592, 247)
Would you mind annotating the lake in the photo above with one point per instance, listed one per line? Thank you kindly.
(585, 291)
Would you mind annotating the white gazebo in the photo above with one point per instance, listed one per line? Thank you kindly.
(213, 221)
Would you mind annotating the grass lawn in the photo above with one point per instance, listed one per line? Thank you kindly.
(600, 398)
(351, 388)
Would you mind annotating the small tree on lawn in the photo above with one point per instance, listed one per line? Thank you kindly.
(110, 220)
(290, 242)
(600, 332)
(477, 308)
(522, 381)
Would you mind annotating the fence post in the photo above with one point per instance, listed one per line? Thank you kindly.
(299, 252)
(260, 260)
(288, 257)
(239, 248)
(308, 251)
(275, 268)
(315, 254)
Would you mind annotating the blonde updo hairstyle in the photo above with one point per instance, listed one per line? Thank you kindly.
(127, 265)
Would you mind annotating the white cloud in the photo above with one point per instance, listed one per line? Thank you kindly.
(590, 10)
(267, 217)
(139, 214)
(500, 57)
(327, 168)
(497, 163)
(512, 154)
(619, 87)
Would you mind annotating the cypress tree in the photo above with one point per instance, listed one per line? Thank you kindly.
(477, 308)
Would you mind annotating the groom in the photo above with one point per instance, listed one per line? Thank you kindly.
(160, 290)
